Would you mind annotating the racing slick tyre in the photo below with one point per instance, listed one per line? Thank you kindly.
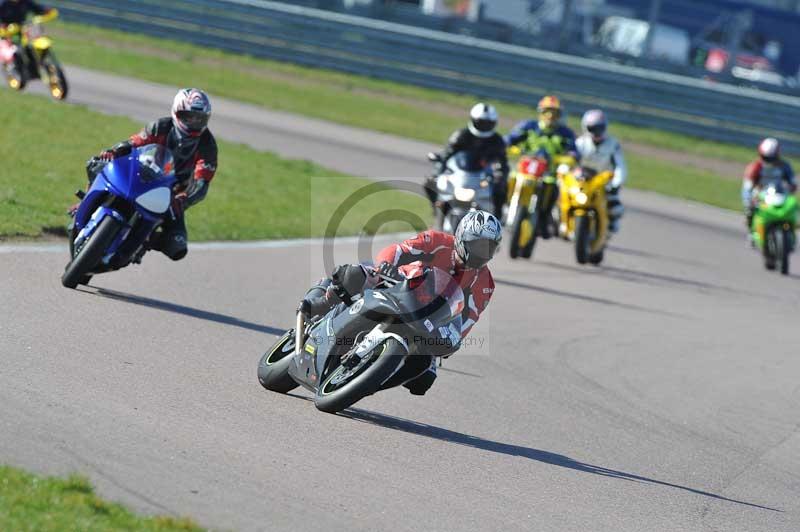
(582, 243)
(91, 251)
(273, 368)
(345, 385)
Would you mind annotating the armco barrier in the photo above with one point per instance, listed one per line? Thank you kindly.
(454, 62)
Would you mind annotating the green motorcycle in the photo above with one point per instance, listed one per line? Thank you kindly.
(773, 225)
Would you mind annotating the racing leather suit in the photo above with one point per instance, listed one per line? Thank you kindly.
(534, 138)
(427, 249)
(603, 156)
(758, 172)
(556, 140)
(195, 166)
(491, 149)
(17, 12)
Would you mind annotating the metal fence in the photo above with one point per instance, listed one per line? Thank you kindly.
(452, 62)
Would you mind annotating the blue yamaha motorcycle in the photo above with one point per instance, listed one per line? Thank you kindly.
(116, 218)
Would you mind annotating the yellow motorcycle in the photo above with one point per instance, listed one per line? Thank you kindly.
(533, 192)
(31, 56)
(584, 212)
(525, 185)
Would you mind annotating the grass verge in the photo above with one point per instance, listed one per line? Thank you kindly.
(29, 502)
(360, 101)
(255, 195)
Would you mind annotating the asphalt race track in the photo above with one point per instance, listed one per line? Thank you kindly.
(658, 392)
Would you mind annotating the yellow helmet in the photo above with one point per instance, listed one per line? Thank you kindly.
(549, 102)
(549, 109)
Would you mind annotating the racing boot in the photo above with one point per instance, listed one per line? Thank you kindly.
(420, 384)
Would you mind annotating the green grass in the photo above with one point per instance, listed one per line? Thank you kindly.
(29, 502)
(399, 109)
(255, 195)
(688, 183)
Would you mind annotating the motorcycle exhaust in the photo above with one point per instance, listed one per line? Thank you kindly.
(298, 333)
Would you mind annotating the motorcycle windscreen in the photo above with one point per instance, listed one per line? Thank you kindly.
(143, 169)
(468, 162)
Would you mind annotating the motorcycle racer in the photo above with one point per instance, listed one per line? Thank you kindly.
(768, 167)
(482, 142)
(464, 255)
(547, 133)
(603, 152)
(17, 11)
(187, 136)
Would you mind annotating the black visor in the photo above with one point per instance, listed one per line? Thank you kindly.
(193, 120)
(480, 252)
(597, 130)
(484, 125)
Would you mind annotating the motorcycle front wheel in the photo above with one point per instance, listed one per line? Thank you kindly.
(273, 368)
(518, 239)
(56, 80)
(344, 386)
(91, 252)
(582, 238)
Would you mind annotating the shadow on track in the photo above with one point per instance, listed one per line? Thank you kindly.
(459, 372)
(621, 250)
(559, 460)
(643, 277)
(181, 309)
(588, 299)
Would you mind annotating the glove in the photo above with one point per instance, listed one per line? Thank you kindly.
(347, 281)
(389, 270)
(106, 156)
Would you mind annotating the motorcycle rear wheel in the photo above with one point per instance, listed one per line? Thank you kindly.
(273, 368)
(333, 396)
(89, 254)
(15, 77)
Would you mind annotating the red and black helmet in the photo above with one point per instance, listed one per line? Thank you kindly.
(191, 110)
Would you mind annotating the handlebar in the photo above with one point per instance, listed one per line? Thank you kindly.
(47, 17)
(10, 30)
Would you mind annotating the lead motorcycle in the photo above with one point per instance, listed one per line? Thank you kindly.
(127, 201)
(362, 346)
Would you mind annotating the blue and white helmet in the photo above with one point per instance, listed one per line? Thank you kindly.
(478, 237)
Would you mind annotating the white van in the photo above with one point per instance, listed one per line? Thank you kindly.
(628, 36)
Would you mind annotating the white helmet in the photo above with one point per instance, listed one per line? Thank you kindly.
(191, 110)
(594, 123)
(483, 120)
(769, 149)
(478, 237)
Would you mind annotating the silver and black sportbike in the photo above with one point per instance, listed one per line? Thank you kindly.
(372, 341)
(464, 184)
